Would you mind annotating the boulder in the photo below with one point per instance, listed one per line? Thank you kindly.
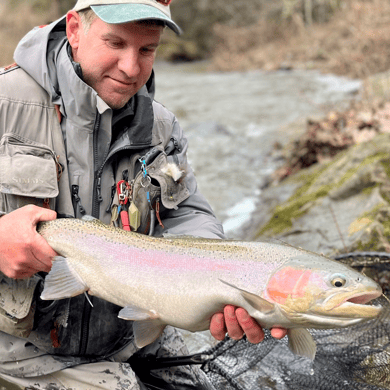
(333, 207)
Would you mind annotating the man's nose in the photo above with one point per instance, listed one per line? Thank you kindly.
(129, 63)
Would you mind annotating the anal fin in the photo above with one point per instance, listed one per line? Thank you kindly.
(145, 332)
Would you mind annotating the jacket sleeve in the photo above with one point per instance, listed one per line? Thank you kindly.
(193, 216)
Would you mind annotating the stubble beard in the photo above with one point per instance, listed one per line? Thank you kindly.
(115, 103)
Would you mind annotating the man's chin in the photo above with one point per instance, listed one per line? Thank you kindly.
(116, 104)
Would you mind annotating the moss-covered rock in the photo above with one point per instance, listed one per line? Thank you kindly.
(339, 206)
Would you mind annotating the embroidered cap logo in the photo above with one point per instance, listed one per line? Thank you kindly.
(164, 2)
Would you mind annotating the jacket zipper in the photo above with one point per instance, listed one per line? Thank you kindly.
(86, 317)
(96, 198)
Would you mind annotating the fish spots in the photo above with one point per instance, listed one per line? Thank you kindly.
(180, 261)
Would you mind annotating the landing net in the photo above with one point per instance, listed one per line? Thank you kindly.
(353, 358)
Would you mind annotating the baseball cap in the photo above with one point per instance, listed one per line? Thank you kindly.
(125, 11)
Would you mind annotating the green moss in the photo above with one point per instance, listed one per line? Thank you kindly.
(375, 240)
(372, 245)
(368, 190)
(371, 214)
(284, 215)
(367, 161)
(386, 165)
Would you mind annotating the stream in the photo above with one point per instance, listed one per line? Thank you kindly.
(232, 121)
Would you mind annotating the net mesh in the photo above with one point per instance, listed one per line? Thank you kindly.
(356, 357)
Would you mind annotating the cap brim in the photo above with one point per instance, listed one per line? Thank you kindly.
(125, 13)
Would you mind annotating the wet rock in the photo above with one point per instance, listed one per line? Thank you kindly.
(334, 207)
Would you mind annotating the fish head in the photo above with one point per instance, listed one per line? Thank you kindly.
(318, 292)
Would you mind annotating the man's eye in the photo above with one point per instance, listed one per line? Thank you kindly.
(115, 45)
(148, 50)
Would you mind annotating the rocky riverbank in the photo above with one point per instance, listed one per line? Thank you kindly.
(327, 200)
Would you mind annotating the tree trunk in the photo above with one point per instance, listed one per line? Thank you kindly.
(308, 10)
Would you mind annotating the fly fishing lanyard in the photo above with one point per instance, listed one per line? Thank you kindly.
(145, 183)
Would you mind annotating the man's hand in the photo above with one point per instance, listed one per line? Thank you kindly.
(24, 252)
(237, 322)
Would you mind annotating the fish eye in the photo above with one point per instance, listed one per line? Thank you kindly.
(338, 281)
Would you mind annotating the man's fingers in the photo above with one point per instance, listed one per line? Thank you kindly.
(217, 326)
(237, 322)
(278, 333)
(43, 255)
(254, 332)
(233, 327)
(24, 252)
(42, 251)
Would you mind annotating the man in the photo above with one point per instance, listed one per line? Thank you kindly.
(81, 134)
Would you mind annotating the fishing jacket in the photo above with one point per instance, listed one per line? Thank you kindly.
(61, 146)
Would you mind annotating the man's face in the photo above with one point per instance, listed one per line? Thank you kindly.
(116, 60)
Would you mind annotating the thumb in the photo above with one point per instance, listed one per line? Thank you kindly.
(43, 215)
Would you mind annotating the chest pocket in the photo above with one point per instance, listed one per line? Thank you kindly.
(29, 173)
(164, 188)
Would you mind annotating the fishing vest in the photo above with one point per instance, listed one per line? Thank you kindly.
(33, 170)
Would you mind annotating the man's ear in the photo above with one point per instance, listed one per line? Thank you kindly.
(73, 29)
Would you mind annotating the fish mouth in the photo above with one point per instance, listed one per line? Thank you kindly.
(356, 306)
(339, 313)
(362, 299)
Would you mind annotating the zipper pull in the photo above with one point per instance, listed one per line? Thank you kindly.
(99, 190)
(75, 194)
(113, 191)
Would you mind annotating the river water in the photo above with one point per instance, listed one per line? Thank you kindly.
(232, 121)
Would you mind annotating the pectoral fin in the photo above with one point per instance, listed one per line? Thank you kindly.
(301, 343)
(62, 281)
(145, 332)
(254, 300)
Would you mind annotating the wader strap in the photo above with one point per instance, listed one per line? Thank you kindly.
(59, 115)
(8, 67)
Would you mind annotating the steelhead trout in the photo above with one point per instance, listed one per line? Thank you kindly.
(183, 281)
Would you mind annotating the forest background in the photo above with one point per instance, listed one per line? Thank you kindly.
(345, 37)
